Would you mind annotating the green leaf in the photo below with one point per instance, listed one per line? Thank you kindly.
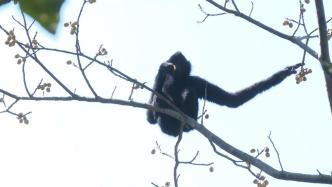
(46, 12)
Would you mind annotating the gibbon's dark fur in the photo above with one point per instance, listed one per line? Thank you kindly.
(175, 83)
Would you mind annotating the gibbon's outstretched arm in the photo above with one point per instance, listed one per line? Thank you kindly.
(219, 96)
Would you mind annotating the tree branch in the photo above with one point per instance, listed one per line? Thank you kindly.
(78, 51)
(283, 175)
(324, 58)
(294, 40)
(324, 48)
(177, 114)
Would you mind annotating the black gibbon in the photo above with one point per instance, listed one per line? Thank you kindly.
(175, 83)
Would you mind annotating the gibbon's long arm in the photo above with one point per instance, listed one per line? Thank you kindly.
(219, 96)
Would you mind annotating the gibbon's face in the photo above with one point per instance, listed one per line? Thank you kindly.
(169, 68)
(176, 70)
(182, 65)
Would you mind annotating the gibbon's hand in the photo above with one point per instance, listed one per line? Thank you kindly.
(292, 69)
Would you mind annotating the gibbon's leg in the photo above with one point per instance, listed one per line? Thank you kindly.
(169, 125)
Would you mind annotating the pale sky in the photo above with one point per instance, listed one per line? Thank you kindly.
(71, 144)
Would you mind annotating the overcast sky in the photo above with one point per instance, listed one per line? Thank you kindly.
(71, 144)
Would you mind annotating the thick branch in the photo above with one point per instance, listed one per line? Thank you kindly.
(324, 48)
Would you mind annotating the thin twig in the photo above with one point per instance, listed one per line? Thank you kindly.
(36, 59)
(235, 6)
(113, 91)
(276, 150)
(318, 27)
(235, 162)
(78, 51)
(33, 21)
(304, 54)
(207, 14)
(299, 20)
(24, 79)
(162, 152)
(154, 184)
(204, 104)
(252, 8)
(191, 162)
(37, 87)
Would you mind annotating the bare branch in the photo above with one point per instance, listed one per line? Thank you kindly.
(252, 8)
(10, 106)
(154, 184)
(35, 58)
(191, 162)
(235, 6)
(329, 20)
(324, 58)
(24, 79)
(113, 92)
(162, 152)
(267, 28)
(276, 150)
(78, 51)
(325, 55)
(283, 175)
(176, 155)
(324, 48)
(299, 20)
(245, 160)
(33, 93)
(238, 163)
(207, 14)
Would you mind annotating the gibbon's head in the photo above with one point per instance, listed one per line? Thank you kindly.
(180, 65)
